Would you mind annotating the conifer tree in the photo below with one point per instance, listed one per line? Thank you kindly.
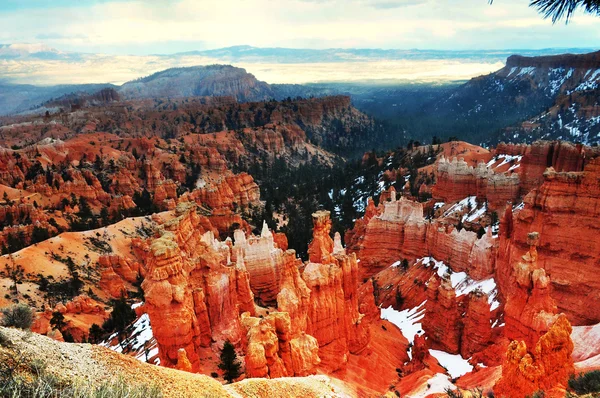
(229, 362)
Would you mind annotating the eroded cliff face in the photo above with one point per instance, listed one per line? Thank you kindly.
(194, 293)
(264, 262)
(548, 364)
(455, 179)
(201, 291)
(398, 229)
(565, 210)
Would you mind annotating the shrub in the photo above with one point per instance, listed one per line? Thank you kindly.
(4, 340)
(585, 383)
(18, 316)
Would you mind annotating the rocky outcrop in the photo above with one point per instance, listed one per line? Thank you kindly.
(477, 329)
(194, 293)
(333, 316)
(456, 180)
(398, 229)
(263, 261)
(560, 155)
(274, 350)
(529, 309)
(565, 209)
(549, 363)
(442, 323)
(117, 274)
(77, 313)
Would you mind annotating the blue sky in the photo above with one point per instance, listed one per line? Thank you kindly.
(162, 26)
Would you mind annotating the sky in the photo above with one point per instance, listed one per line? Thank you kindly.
(125, 27)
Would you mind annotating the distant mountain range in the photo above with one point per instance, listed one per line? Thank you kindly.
(549, 96)
(296, 55)
(212, 80)
(519, 102)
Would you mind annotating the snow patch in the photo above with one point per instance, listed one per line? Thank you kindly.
(408, 321)
(455, 364)
(438, 384)
(462, 283)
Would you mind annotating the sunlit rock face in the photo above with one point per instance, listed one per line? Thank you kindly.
(566, 208)
(201, 291)
(194, 293)
(542, 366)
(264, 262)
(276, 350)
(333, 309)
(398, 229)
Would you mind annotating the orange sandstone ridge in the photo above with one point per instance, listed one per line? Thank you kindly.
(501, 299)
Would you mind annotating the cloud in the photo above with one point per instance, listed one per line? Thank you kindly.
(378, 4)
(59, 36)
(388, 4)
(142, 27)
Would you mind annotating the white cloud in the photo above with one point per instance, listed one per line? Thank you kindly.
(302, 23)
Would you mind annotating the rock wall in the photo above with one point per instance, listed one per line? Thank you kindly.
(455, 180)
(399, 230)
(193, 291)
(546, 365)
(333, 315)
(564, 209)
(264, 262)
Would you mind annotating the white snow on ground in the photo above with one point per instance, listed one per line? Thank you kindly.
(468, 203)
(139, 335)
(496, 323)
(407, 320)
(463, 284)
(515, 159)
(397, 263)
(437, 384)
(460, 206)
(438, 205)
(455, 364)
(475, 214)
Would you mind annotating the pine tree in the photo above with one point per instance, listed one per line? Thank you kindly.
(58, 321)
(229, 362)
(95, 334)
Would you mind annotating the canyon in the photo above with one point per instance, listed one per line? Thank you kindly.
(464, 268)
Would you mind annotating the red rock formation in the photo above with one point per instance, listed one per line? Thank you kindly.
(456, 180)
(275, 351)
(565, 209)
(321, 247)
(547, 366)
(169, 302)
(183, 363)
(442, 323)
(477, 329)
(401, 231)
(263, 261)
(333, 316)
(560, 155)
(79, 314)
